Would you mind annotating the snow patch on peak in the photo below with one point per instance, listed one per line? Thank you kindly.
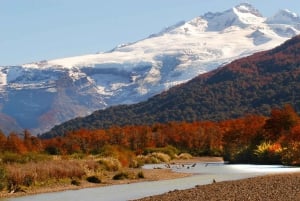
(284, 16)
(39, 64)
(199, 23)
(242, 16)
(285, 23)
(221, 21)
(194, 26)
(14, 72)
(288, 13)
(259, 37)
(247, 8)
(294, 15)
(168, 29)
(248, 15)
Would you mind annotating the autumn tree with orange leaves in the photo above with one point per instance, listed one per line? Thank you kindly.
(249, 139)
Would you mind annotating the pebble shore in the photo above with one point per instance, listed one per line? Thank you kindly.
(283, 187)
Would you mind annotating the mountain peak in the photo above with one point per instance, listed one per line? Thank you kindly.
(52, 91)
(288, 13)
(284, 16)
(247, 8)
(241, 15)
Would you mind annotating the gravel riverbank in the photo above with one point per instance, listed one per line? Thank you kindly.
(283, 187)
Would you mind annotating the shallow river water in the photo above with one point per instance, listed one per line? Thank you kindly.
(204, 173)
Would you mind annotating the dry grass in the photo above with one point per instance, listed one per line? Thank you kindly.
(162, 157)
(110, 164)
(92, 168)
(154, 158)
(184, 156)
(30, 173)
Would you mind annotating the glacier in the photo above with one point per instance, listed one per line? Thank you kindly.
(40, 95)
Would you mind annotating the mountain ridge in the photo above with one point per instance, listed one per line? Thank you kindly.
(39, 95)
(251, 85)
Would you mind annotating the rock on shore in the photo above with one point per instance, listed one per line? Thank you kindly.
(284, 187)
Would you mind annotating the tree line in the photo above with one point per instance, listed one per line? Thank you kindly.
(253, 138)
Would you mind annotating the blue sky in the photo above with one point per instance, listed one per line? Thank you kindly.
(34, 30)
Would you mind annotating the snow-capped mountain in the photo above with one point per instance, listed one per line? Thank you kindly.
(40, 95)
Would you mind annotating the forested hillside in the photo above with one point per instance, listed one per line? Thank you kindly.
(252, 85)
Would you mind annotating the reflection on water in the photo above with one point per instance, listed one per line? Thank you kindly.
(204, 173)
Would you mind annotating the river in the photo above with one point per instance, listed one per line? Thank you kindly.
(204, 173)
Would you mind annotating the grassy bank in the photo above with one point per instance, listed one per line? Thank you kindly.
(38, 173)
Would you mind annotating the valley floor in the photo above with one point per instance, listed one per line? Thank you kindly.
(268, 188)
